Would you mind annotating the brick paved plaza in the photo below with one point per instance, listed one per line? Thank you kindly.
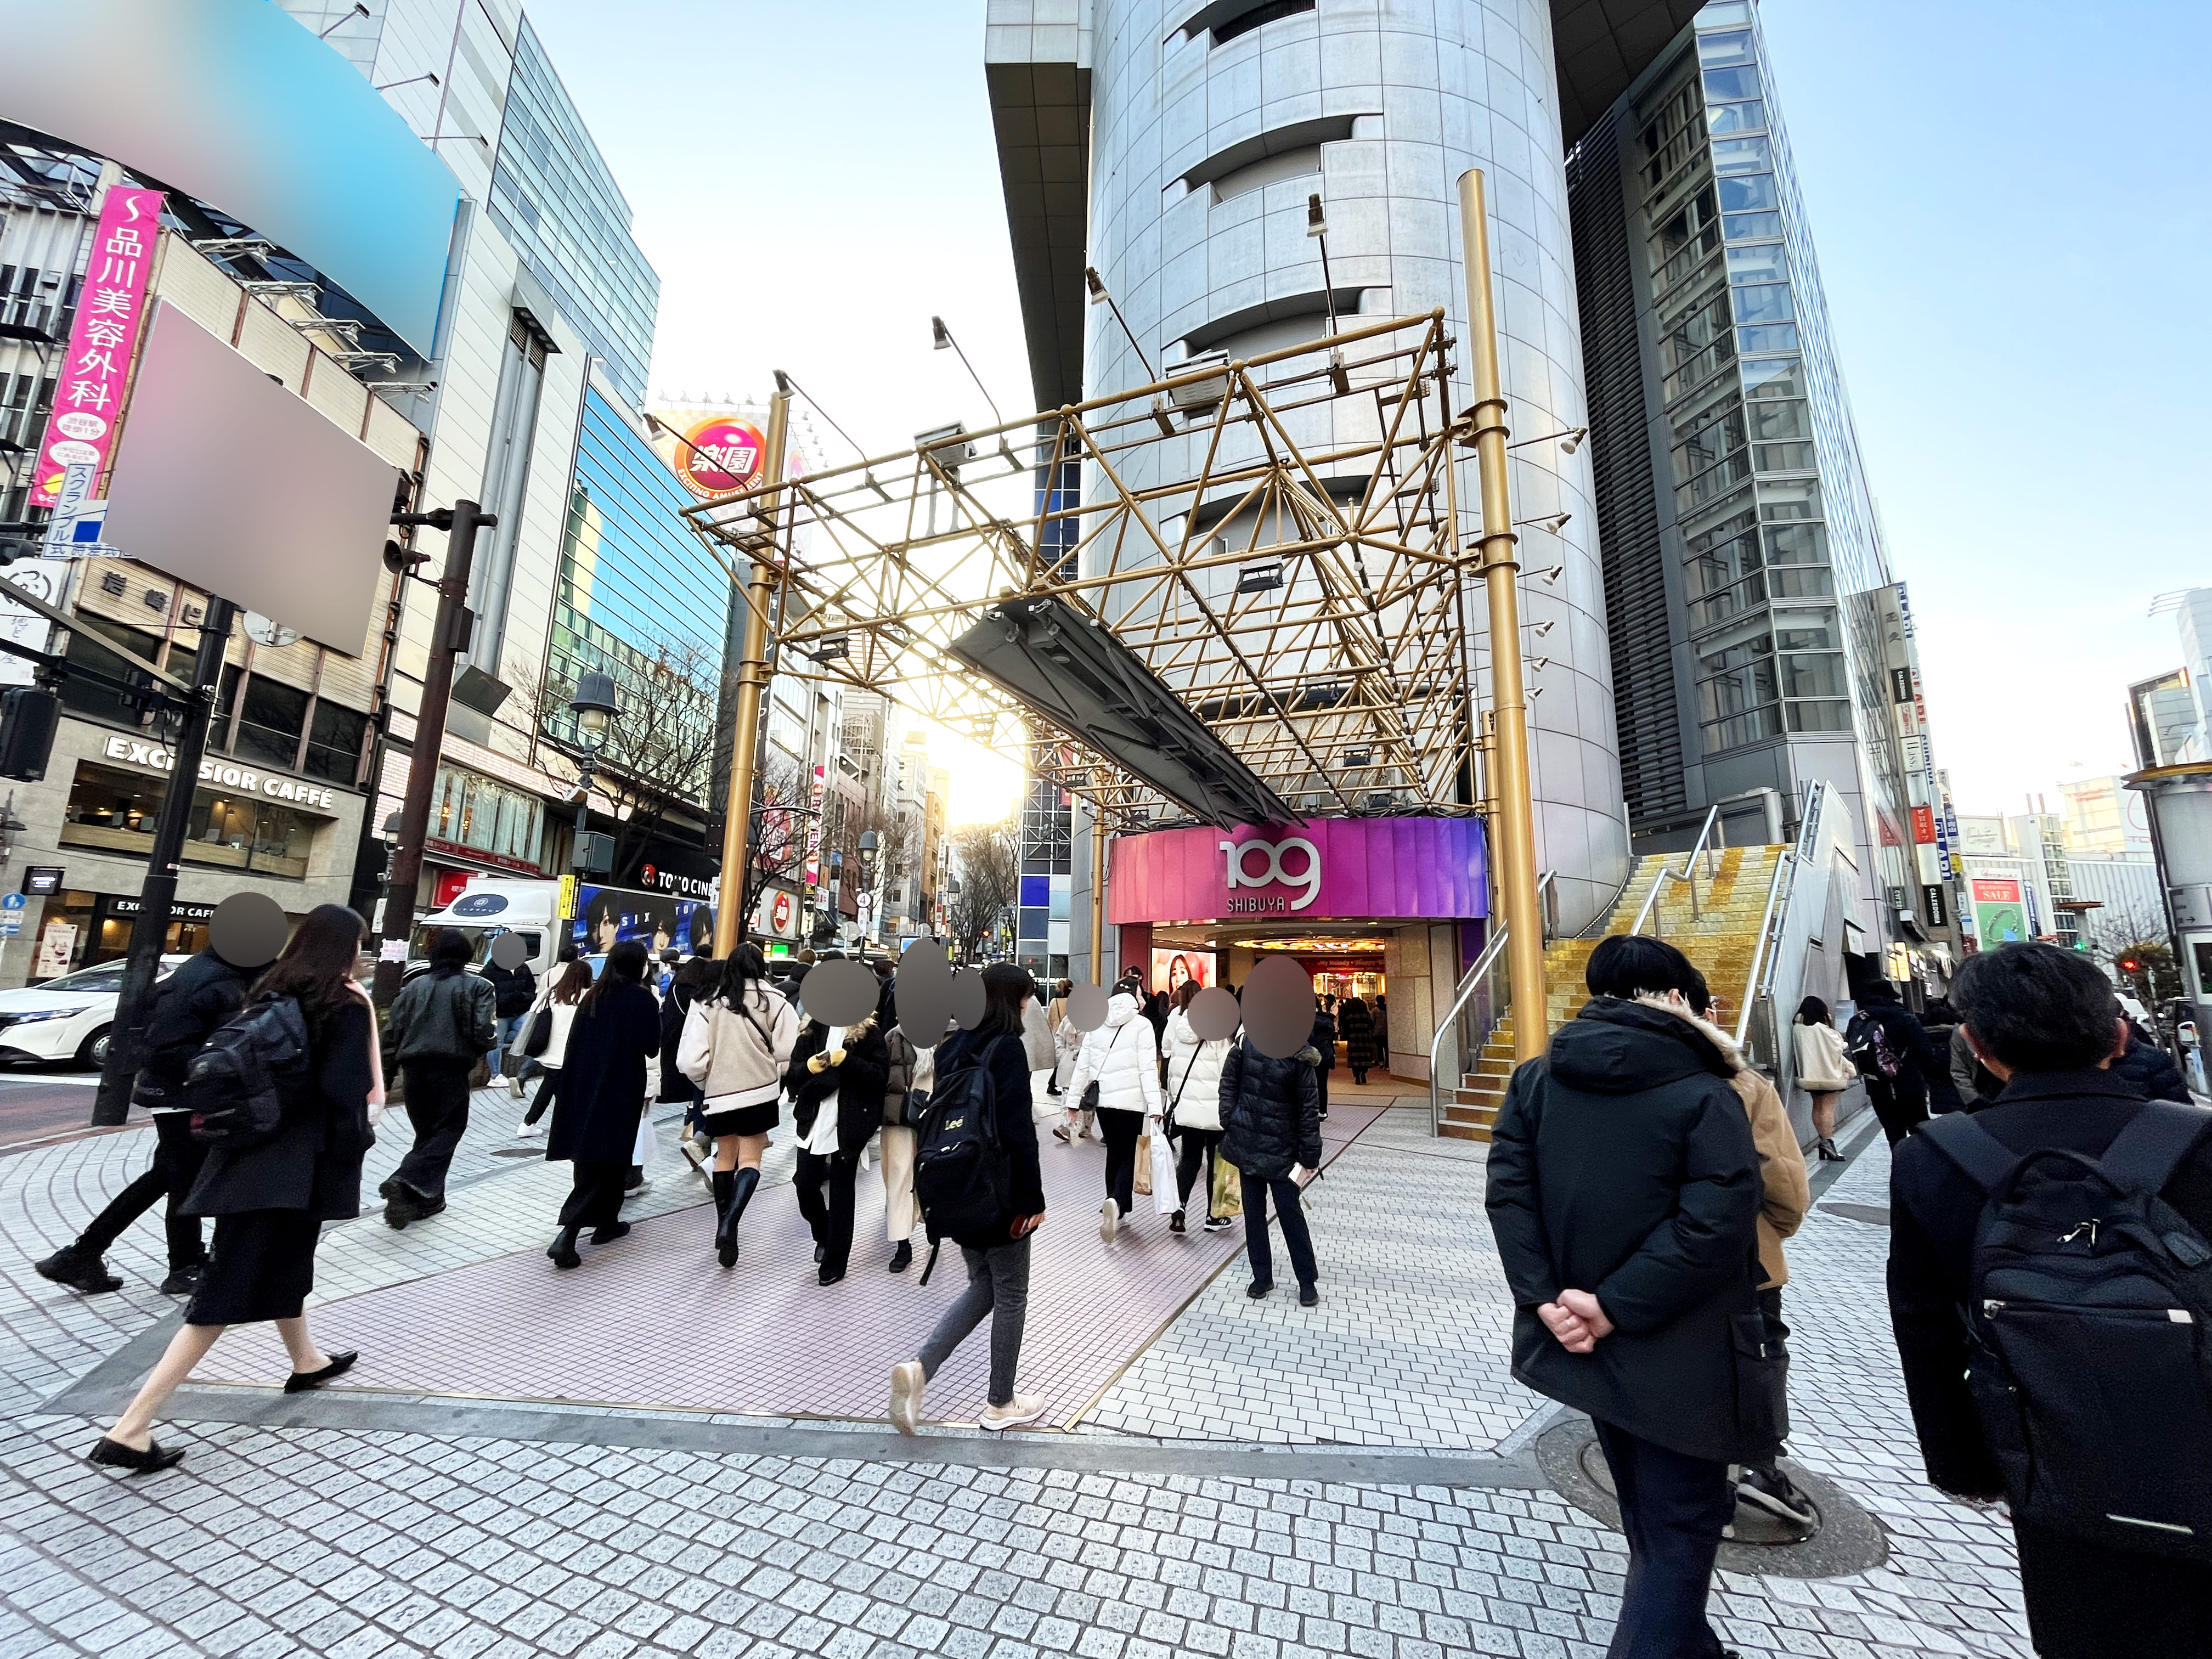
(648, 1456)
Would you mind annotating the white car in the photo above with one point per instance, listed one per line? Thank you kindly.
(69, 1018)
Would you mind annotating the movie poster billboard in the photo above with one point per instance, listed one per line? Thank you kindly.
(607, 916)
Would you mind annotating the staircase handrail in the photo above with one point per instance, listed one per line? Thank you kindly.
(1493, 952)
(1768, 921)
(1686, 873)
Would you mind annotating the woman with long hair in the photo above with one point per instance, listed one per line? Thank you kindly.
(617, 1025)
(1824, 1071)
(684, 988)
(270, 1201)
(1355, 1023)
(565, 988)
(997, 1255)
(738, 1037)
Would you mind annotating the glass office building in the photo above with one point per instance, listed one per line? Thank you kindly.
(554, 198)
(1742, 555)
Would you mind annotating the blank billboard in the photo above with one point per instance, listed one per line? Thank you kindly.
(229, 481)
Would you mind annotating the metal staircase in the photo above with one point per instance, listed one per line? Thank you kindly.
(1719, 904)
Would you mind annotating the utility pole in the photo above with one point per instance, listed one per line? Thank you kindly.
(730, 924)
(1513, 827)
(450, 633)
(149, 929)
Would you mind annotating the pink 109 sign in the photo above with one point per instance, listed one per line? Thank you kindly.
(88, 390)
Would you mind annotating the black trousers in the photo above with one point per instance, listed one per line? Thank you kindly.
(829, 1219)
(1900, 1106)
(1777, 1336)
(176, 1165)
(1291, 1214)
(1673, 1508)
(549, 1091)
(595, 1195)
(1120, 1130)
(1320, 1082)
(438, 1107)
(1195, 1163)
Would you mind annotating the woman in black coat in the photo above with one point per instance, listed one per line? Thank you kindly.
(1355, 1022)
(602, 1098)
(1270, 1128)
(1323, 1044)
(836, 1080)
(270, 1201)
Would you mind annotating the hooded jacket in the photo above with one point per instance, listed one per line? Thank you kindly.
(1787, 1188)
(1623, 1164)
(1270, 1112)
(1193, 1083)
(1036, 1036)
(736, 1056)
(1122, 1057)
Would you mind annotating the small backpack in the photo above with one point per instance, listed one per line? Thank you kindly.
(2086, 1316)
(1867, 1042)
(234, 1086)
(961, 1179)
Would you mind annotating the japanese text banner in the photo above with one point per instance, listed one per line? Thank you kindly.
(88, 390)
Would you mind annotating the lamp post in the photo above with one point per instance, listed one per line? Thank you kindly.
(870, 852)
(596, 710)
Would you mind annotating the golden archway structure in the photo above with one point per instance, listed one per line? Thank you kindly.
(1276, 543)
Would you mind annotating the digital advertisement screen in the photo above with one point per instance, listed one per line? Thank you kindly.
(1172, 967)
(605, 916)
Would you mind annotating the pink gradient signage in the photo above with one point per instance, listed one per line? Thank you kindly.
(1324, 868)
(88, 390)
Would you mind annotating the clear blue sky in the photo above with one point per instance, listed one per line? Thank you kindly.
(2008, 198)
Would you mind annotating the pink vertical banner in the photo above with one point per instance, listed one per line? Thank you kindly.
(88, 390)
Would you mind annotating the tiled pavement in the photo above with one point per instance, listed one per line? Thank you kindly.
(384, 1541)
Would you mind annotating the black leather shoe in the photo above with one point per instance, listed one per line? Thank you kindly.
(81, 1270)
(1255, 1290)
(114, 1454)
(1308, 1296)
(183, 1281)
(562, 1249)
(828, 1275)
(300, 1381)
(903, 1257)
(612, 1231)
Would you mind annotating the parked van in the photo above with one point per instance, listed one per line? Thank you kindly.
(492, 905)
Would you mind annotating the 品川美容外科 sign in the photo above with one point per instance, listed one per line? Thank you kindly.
(216, 770)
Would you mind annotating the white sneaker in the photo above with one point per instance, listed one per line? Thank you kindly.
(1109, 1220)
(525, 1130)
(494, 1080)
(1022, 1409)
(907, 1384)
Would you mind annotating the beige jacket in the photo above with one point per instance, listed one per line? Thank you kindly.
(1780, 1160)
(736, 1056)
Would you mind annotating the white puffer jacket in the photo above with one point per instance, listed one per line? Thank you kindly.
(736, 1056)
(1194, 1085)
(1122, 1057)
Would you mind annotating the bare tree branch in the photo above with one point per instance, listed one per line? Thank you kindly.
(990, 864)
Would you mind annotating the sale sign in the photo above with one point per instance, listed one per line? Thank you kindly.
(88, 390)
(720, 456)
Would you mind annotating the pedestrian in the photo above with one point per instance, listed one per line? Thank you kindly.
(566, 989)
(672, 1086)
(602, 1098)
(2151, 1069)
(670, 960)
(1824, 1071)
(1355, 1023)
(896, 1142)
(1194, 1110)
(1785, 1194)
(442, 1023)
(1271, 1135)
(1063, 1052)
(738, 1037)
(1078, 1120)
(1122, 1057)
(1381, 1031)
(997, 1256)
(513, 991)
(270, 1201)
(1623, 1164)
(1323, 1045)
(187, 1006)
(1904, 1071)
(836, 1080)
(2113, 1399)
(1037, 1042)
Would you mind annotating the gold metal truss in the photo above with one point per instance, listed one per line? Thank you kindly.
(1276, 538)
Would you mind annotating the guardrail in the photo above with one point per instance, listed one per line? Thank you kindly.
(1493, 952)
(1711, 831)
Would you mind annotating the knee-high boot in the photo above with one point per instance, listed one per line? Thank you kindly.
(731, 1201)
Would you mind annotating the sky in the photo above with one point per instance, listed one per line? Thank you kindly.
(2012, 232)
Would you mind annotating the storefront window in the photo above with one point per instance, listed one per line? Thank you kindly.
(474, 811)
(270, 723)
(114, 810)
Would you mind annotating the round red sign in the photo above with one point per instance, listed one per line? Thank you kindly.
(720, 456)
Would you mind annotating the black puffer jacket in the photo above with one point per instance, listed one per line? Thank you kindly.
(1623, 1164)
(512, 989)
(2149, 1068)
(1270, 1113)
(858, 1084)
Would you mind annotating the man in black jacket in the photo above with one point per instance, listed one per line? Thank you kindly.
(1901, 1103)
(2045, 1021)
(1625, 1193)
(513, 990)
(187, 1007)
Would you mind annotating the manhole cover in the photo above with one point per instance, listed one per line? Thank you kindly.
(1849, 1539)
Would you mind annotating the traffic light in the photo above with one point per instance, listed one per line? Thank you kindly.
(29, 716)
(2131, 964)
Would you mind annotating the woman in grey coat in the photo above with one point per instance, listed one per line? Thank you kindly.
(270, 1201)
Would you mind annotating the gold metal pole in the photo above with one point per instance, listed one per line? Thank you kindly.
(1097, 895)
(730, 923)
(1514, 823)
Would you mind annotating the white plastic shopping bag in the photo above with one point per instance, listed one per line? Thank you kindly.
(1164, 1176)
(648, 1145)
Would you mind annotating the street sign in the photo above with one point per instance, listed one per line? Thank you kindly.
(11, 915)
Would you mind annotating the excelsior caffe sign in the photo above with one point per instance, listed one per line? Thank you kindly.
(216, 770)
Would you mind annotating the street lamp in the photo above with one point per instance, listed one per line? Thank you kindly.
(595, 712)
(871, 852)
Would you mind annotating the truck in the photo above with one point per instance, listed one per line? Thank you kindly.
(489, 906)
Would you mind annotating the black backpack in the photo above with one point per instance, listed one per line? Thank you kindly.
(961, 1177)
(234, 1087)
(2086, 1318)
(1867, 1044)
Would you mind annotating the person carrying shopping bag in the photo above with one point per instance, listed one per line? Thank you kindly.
(1123, 1059)
(1194, 1115)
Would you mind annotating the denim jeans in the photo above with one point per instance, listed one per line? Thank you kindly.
(507, 1025)
(998, 1285)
